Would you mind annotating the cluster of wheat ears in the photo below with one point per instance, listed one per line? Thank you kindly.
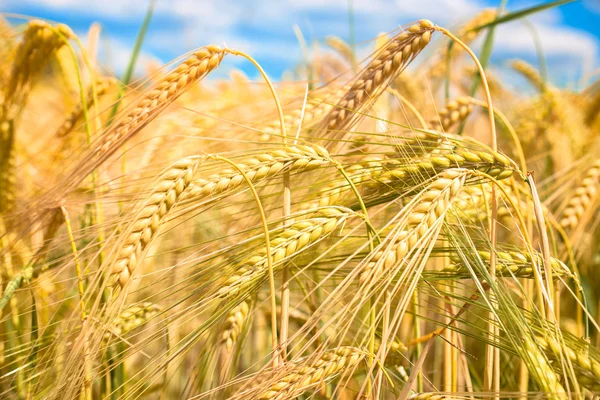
(359, 230)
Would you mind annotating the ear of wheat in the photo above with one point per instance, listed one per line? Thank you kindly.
(530, 73)
(145, 109)
(583, 198)
(388, 63)
(430, 206)
(40, 40)
(519, 264)
(149, 216)
(289, 243)
(132, 318)
(587, 368)
(319, 104)
(260, 166)
(233, 325)
(454, 113)
(308, 373)
(103, 85)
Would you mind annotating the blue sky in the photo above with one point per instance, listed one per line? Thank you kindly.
(570, 35)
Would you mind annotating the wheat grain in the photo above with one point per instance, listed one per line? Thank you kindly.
(546, 377)
(40, 40)
(587, 368)
(454, 113)
(381, 177)
(145, 109)
(33, 53)
(492, 163)
(201, 63)
(471, 203)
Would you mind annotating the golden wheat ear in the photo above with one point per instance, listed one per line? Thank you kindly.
(377, 75)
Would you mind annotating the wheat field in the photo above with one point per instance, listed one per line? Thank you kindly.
(403, 226)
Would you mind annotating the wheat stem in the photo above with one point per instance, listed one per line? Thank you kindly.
(274, 340)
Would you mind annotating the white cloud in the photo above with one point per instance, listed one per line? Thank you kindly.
(592, 5)
(263, 28)
(114, 55)
(559, 43)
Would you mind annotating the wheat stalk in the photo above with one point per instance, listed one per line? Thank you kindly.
(435, 396)
(467, 33)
